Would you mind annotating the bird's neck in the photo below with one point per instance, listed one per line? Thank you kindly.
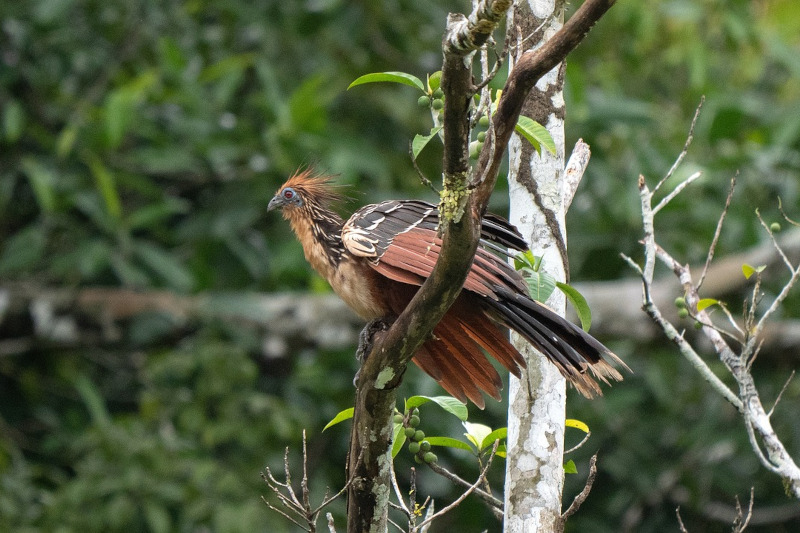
(319, 230)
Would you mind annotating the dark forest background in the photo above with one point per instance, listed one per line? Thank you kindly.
(144, 384)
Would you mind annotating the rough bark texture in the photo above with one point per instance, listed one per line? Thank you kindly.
(534, 471)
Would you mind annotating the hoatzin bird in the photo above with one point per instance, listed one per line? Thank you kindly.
(376, 261)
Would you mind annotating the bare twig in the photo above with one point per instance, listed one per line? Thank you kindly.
(466, 493)
(681, 527)
(582, 495)
(422, 177)
(780, 394)
(573, 172)
(761, 434)
(676, 191)
(581, 443)
(495, 505)
(741, 521)
(685, 150)
(717, 232)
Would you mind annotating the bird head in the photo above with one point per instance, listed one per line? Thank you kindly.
(304, 189)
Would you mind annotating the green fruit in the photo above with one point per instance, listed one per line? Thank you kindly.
(474, 149)
(398, 419)
(437, 104)
(425, 446)
(483, 121)
(415, 412)
(774, 227)
(680, 302)
(413, 421)
(698, 325)
(438, 93)
(424, 101)
(430, 457)
(410, 432)
(419, 435)
(413, 447)
(417, 460)
(482, 136)
(683, 313)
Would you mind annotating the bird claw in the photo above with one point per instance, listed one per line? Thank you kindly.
(365, 340)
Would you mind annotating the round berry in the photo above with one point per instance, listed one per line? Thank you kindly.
(438, 93)
(774, 227)
(424, 101)
(680, 302)
(430, 457)
(398, 419)
(425, 446)
(483, 121)
(481, 136)
(474, 149)
(413, 421)
(419, 435)
(410, 432)
(414, 447)
(683, 313)
(698, 325)
(437, 103)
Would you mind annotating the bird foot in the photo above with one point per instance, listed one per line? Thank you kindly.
(365, 341)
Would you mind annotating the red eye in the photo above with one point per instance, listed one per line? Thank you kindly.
(288, 194)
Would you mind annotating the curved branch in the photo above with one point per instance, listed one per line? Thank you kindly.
(384, 367)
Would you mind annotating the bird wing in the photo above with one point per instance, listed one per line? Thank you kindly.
(401, 241)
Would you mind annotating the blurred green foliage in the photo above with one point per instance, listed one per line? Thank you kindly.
(140, 142)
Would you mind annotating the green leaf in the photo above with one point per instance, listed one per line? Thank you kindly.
(107, 187)
(165, 265)
(120, 106)
(42, 182)
(13, 120)
(497, 434)
(420, 141)
(706, 302)
(398, 441)
(66, 140)
(93, 400)
(748, 270)
(449, 442)
(570, 468)
(540, 284)
(23, 250)
(526, 259)
(158, 519)
(579, 303)
(448, 403)
(536, 134)
(435, 80)
(396, 77)
(476, 433)
(577, 424)
(501, 451)
(308, 104)
(347, 414)
(231, 65)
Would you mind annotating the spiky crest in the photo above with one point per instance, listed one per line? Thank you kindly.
(314, 187)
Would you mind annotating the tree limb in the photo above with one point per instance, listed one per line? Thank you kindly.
(384, 367)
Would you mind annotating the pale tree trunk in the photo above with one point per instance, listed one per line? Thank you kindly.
(534, 467)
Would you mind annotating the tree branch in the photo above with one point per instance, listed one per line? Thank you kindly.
(384, 367)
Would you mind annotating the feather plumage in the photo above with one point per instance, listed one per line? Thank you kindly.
(378, 258)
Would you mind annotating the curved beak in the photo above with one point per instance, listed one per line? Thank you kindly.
(276, 202)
